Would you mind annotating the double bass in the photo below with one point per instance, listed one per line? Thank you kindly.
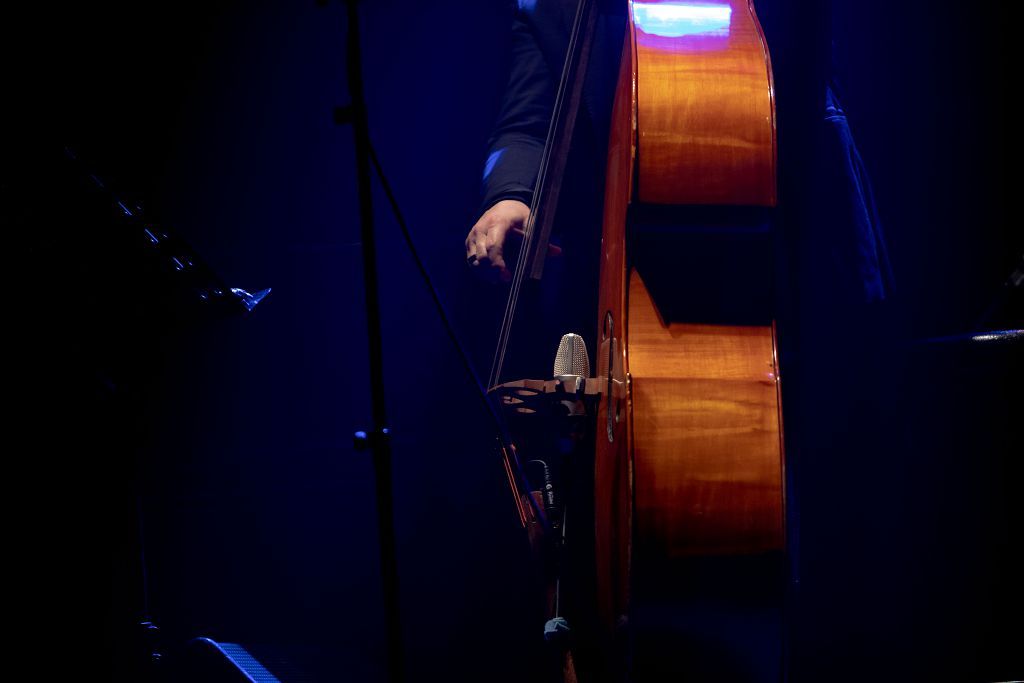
(688, 464)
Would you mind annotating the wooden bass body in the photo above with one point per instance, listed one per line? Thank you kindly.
(689, 458)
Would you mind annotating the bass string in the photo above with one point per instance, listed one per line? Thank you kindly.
(528, 232)
(540, 184)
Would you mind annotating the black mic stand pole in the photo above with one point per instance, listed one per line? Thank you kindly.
(376, 440)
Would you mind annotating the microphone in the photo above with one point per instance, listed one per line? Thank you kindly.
(571, 361)
(572, 365)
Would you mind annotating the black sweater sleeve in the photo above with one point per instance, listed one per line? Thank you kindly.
(516, 145)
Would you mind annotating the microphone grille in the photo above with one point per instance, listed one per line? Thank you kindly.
(572, 358)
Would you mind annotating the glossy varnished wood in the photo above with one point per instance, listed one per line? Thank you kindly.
(612, 462)
(707, 465)
(696, 464)
(705, 110)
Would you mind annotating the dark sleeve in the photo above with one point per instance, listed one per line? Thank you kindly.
(516, 145)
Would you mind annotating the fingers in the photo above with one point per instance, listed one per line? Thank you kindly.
(480, 237)
(486, 241)
(485, 254)
(472, 256)
(477, 249)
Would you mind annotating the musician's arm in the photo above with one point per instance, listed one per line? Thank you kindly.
(514, 150)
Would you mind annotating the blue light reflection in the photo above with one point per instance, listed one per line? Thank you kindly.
(492, 161)
(677, 19)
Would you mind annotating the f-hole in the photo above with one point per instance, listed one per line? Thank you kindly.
(608, 335)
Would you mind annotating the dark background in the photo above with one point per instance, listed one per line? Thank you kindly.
(233, 438)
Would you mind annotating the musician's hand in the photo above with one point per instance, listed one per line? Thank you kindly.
(486, 241)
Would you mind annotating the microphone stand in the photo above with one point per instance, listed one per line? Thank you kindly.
(377, 440)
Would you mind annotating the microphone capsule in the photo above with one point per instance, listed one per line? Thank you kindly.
(571, 360)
